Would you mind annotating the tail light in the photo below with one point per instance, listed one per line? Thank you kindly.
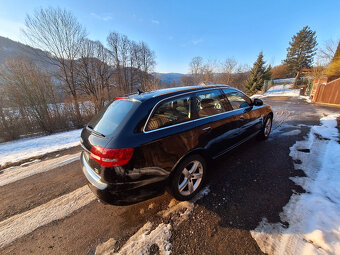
(111, 157)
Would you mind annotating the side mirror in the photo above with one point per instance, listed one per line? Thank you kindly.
(257, 102)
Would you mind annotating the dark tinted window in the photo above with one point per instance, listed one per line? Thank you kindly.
(209, 103)
(110, 118)
(170, 112)
(237, 99)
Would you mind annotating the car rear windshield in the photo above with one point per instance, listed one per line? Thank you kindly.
(106, 122)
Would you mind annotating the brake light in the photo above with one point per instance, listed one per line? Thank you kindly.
(121, 98)
(111, 157)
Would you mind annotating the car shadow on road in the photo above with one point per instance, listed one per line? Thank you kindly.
(253, 182)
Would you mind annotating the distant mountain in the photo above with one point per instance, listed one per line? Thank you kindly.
(10, 49)
(170, 77)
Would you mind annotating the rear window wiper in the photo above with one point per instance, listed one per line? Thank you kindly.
(88, 127)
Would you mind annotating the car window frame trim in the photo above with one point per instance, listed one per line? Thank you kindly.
(251, 105)
(189, 121)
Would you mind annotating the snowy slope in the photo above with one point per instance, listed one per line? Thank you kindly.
(18, 150)
(314, 216)
(282, 90)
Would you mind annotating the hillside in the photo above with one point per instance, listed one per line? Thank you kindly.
(10, 49)
(170, 77)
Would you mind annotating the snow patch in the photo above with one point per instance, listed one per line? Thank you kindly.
(30, 162)
(282, 90)
(145, 237)
(180, 211)
(313, 217)
(307, 98)
(141, 241)
(14, 174)
(107, 247)
(15, 151)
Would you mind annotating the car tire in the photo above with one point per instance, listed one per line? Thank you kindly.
(188, 177)
(266, 129)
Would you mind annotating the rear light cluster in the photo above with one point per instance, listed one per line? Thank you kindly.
(111, 157)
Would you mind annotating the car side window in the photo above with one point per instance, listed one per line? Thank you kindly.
(237, 99)
(209, 103)
(170, 112)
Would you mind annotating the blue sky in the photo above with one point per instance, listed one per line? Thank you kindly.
(179, 30)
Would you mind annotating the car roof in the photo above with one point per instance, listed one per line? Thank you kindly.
(173, 91)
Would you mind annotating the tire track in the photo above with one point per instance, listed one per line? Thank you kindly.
(11, 175)
(59, 208)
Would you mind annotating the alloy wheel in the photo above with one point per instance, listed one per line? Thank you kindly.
(268, 127)
(190, 178)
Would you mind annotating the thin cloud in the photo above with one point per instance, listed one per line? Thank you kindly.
(192, 42)
(154, 21)
(196, 42)
(101, 17)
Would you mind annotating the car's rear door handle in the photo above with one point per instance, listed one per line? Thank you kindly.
(206, 129)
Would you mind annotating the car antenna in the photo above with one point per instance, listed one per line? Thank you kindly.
(140, 91)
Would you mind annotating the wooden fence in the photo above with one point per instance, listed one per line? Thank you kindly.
(328, 93)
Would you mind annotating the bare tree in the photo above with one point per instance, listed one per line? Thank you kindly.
(93, 72)
(228, 72)
(326, 54)
(32, 92)
(187, 80)
(133, 63)
(8, 122)
(114, 41)
(228, 68)
(152, 83)
(207, 74)
(147, 60)
(196, 66)
(58, 33)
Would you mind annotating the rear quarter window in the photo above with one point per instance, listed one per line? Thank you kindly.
(170, 112)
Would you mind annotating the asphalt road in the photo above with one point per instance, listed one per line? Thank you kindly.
(49, 209)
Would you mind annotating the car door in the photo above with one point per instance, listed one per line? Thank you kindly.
(169, 132)
(215, 122)
(249, 118)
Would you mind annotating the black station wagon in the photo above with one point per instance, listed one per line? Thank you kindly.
(143, 143)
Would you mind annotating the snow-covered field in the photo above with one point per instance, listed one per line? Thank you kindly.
(282, 90)
(314, 216)
(26, 148)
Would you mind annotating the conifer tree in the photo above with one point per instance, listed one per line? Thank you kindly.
(301, 51)
(258, 74)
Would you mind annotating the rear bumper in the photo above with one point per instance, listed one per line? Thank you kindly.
(124, 193)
